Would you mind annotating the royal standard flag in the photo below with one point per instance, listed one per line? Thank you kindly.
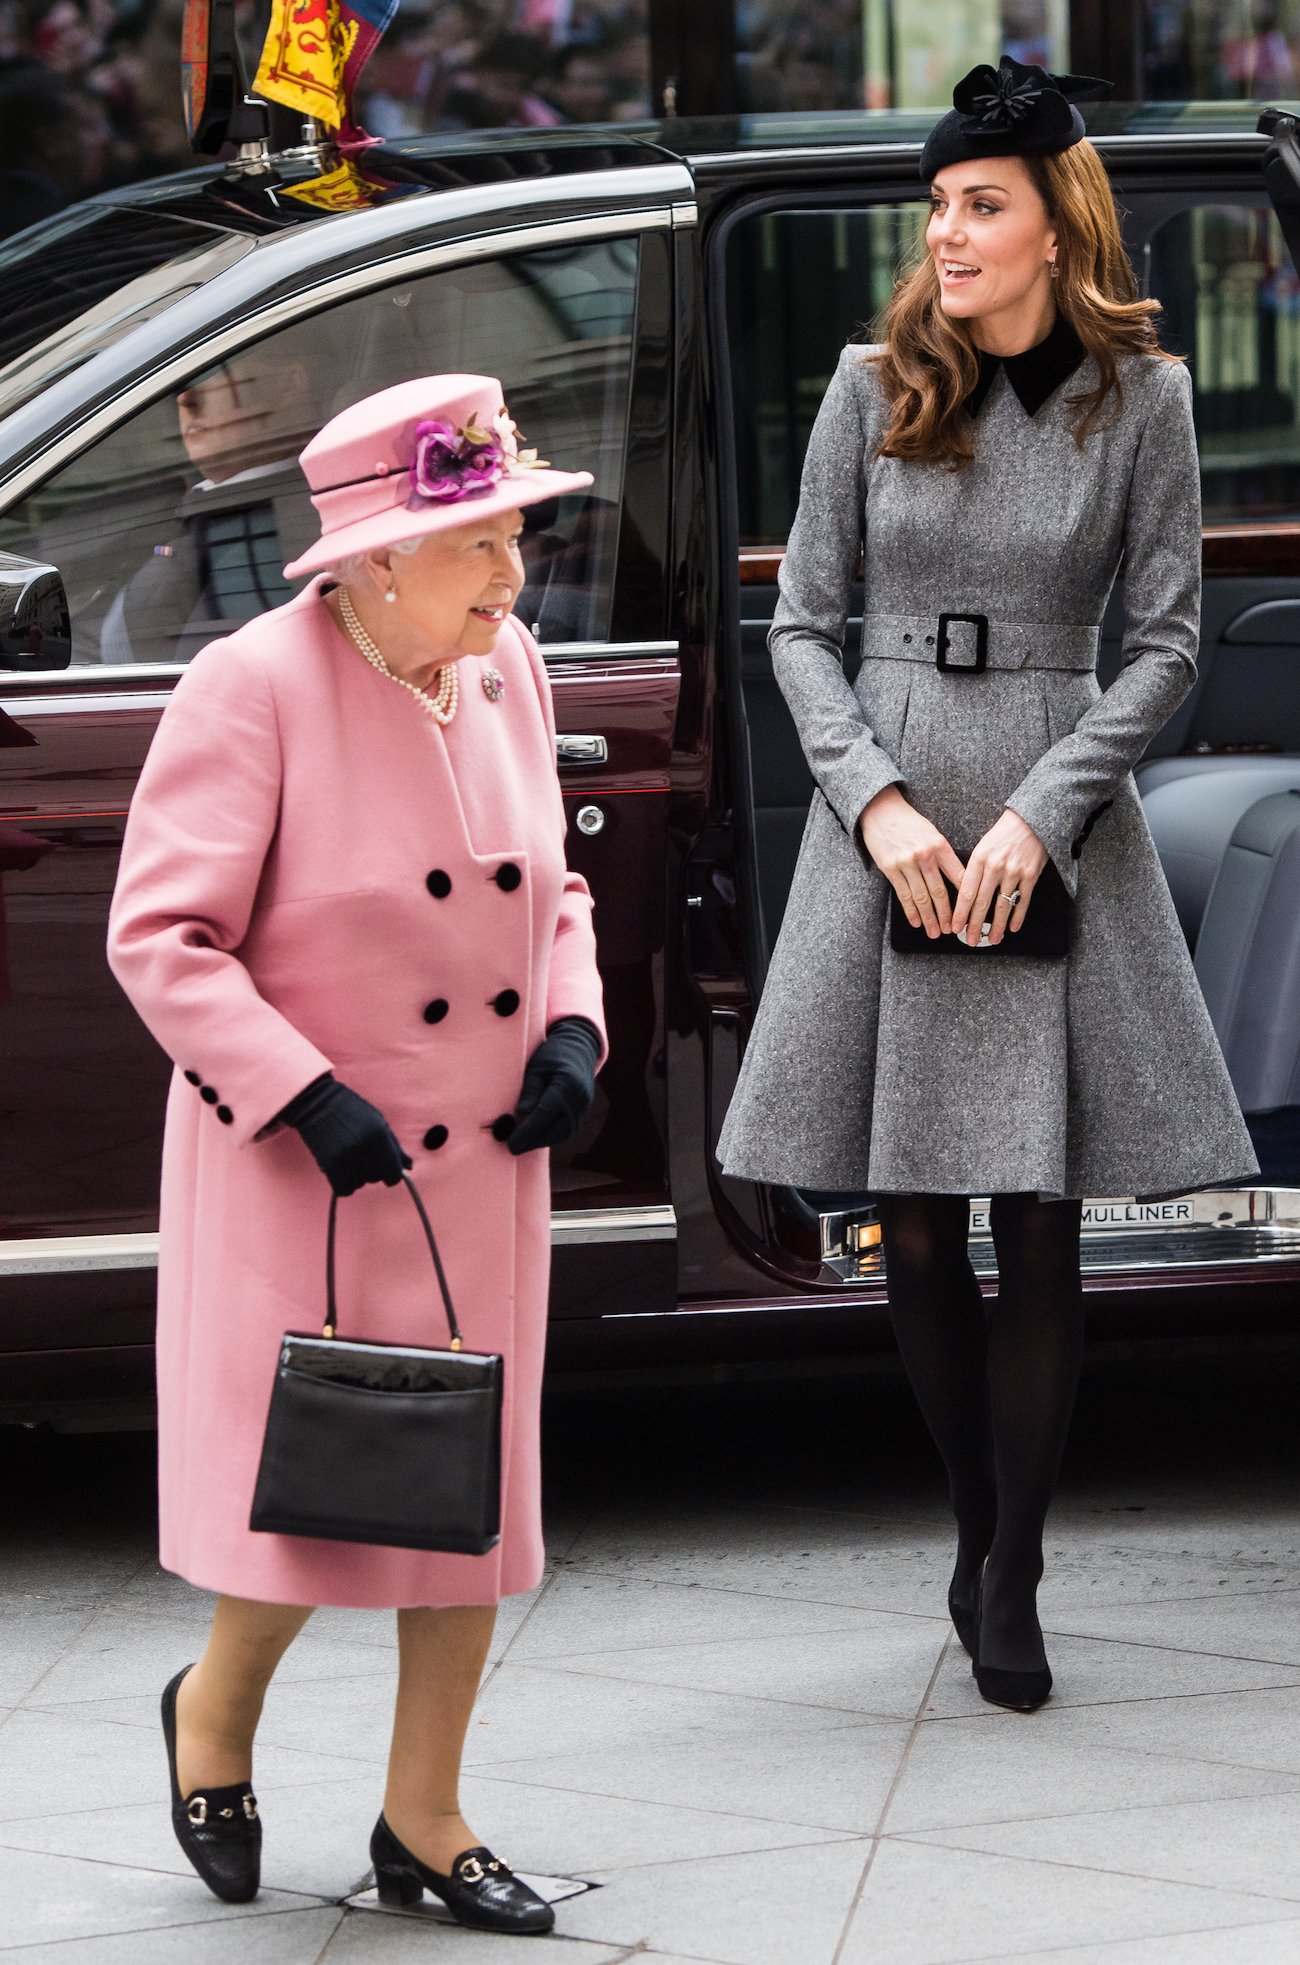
(315, 51)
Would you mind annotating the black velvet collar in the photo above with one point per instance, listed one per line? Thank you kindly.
(1036, 373)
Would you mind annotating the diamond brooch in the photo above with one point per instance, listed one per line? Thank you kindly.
(494, 685)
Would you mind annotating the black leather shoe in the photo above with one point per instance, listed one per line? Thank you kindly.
(1018, 1692)
(218, 1828)
(480, 1891)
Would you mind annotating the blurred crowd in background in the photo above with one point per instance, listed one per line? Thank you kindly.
(489, 64)
(90, 89)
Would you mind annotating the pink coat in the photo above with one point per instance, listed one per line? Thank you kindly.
(312, 867)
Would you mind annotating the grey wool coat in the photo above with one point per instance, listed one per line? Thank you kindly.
(969, 1072)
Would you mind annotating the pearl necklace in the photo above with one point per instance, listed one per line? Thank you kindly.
(442, 706)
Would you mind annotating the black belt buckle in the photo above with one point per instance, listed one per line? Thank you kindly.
(980, 623)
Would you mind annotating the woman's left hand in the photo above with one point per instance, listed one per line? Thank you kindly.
(559, 1085)
(1008, 860)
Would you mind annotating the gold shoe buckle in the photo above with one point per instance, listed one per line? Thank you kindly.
(472, 1870)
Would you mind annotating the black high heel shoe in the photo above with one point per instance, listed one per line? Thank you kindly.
(480, 1891)
(219, 1829)
(1018, 1692)
(963, 1622)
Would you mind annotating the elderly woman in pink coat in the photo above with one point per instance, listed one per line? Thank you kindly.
(344, 912)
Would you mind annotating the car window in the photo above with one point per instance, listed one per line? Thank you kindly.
(1231, 304)
(799, 284)
(74, 284)
(174, 527)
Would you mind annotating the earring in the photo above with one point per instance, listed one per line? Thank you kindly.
(1053, 268)
(391, 595)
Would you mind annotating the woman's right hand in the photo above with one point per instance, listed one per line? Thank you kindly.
(913, 855)
(350, 1140)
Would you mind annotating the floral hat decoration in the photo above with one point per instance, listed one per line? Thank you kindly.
(422, 457)
(1015, 109)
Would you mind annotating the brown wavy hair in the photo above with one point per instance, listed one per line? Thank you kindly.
(930, 364)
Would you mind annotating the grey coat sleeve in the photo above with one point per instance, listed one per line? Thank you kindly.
(1162, 612)
(816, 582)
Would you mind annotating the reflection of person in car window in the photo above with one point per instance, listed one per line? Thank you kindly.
(241, 424)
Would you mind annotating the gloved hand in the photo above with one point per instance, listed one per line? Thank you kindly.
(350, 1140)
(559, 1085)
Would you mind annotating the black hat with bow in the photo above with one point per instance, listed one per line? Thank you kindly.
(1012, 110)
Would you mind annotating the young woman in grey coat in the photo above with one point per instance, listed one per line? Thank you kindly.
(1016, 435)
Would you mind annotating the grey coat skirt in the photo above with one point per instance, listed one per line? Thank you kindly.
(970, 1072)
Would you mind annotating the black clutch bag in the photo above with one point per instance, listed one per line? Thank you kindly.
(381, 1443)
(1045, 933)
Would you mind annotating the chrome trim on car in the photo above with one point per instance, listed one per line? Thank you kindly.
(51, 1255)
(868, 149)
(81, 674)
(123, 699)
(652, 1224)
(90, 676)
(1216, 1228)
(192, 350)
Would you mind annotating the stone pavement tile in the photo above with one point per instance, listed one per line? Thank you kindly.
(551, 1831)
(45, 1898)
(815, 1555)
(1263, 1625)
(525, 1711)
(881, 1665)
(1188, 1512)
(602, 1615)
(275, 1937)
(1251, 1843)
(835, 1779)
(773, 1906)
(399, 1938)
(352, 1715)
(117, 1655)
(1085, 1573)
(1014, 1767)
(1240, 1729)
(63, 1760)
(1094, 1671)
(1256, 1944)
(32, 1643)
(929, 1906)
(45, 1579)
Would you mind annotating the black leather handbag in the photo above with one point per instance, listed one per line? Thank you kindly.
(1045, 932)
(381, 1443)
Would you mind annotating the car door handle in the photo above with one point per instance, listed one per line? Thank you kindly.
(581, 750)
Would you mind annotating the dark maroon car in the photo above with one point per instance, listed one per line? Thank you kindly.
(664, 306)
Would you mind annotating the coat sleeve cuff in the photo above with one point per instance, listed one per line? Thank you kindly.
(1056, 833)
(853, 780)
(246, 1102)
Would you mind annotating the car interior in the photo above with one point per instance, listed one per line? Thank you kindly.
(1220, 785)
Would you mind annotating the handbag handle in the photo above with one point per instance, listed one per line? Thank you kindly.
(331, 1311)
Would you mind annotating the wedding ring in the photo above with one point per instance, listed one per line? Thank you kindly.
(1009, 900)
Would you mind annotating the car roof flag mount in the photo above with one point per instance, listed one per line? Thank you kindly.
(218, 109)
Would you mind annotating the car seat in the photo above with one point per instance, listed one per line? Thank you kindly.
(1192, 805)
(1248, 965)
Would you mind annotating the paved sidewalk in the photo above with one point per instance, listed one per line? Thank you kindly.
(735, 1703)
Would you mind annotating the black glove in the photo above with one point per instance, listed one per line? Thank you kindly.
(559, 1085)
(351, 1140)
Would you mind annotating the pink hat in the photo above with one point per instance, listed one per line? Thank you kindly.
(421, 457)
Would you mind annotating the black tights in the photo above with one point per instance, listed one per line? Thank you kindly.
(996, 1389)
